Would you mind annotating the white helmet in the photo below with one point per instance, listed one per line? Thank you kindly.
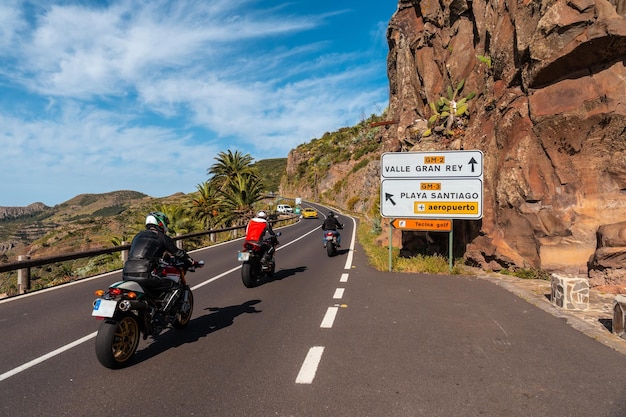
(261, 215)
(158, 219)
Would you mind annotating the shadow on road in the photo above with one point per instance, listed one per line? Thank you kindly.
(280, 275)
(202, 326)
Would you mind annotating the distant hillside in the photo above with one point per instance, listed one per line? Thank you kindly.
(272, 171)
(84, 222)
(90, 221)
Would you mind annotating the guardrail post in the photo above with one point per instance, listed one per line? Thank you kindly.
(179, 242)
(23, 276)
(124, 253)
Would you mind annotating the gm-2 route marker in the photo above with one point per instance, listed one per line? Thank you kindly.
(444, 164)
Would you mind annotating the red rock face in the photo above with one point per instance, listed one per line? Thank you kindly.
(549, 115)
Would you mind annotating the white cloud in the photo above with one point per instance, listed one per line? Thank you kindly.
(94, 97)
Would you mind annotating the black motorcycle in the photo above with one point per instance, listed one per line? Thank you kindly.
(136, 307)
(255, 262)
(330, 241)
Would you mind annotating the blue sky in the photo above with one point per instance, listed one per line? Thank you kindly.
(99, 96)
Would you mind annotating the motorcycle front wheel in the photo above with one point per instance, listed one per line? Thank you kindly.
(117, 341)
(185, 310)
(249, 274)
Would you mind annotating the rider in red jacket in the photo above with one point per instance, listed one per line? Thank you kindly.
(256, 230)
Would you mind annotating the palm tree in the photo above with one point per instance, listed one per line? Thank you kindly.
(237, 185)
(206, 205)
(238, 197)
(228, 165)
(180, 219)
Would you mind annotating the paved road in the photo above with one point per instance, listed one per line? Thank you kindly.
(326, 337)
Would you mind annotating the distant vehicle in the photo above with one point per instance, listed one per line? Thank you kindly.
(309, 213)
(284, 208)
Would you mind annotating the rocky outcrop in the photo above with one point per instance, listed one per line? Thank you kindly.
(15, 212)
(607, 266)
(549, 114)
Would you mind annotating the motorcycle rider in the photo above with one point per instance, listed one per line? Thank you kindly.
(256, 230)
(147, 248)
(332, 223)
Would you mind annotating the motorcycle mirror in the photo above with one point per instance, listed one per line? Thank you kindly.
(278, 233)
(200, 263)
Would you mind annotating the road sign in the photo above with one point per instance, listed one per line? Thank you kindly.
(457, 198)
(426, 225)
(446, 164)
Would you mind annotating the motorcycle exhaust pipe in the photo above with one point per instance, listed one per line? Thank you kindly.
(126, 305)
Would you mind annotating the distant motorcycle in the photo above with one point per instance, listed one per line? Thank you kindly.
(132, 308)
(255, 265)
(330, 239)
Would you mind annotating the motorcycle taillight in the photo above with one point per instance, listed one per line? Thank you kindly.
(115, 291)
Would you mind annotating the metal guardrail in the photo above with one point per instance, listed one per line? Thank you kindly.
(23, 266)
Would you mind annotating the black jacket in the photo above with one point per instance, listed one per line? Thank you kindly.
(331, 223)
(147, 247)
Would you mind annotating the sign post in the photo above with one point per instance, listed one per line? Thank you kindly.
(423, 190)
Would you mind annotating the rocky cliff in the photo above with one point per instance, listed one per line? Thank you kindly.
(540, 88)
(549, 113)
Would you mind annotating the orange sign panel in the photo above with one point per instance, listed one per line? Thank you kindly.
(426, 225)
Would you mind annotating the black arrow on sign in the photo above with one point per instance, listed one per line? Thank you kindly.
(472, 162)
(388, 197)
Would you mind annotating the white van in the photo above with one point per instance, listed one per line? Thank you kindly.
(284, 208)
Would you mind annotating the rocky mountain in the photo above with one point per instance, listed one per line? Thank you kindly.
(15, 212)
(86, 221)
(540, 88)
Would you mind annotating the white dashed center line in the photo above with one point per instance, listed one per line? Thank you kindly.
(338, 293)
(329, 318)
(309, 367)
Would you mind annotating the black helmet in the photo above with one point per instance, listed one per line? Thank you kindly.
(331, 214)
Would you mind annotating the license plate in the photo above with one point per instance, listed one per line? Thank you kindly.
(243, 256)
(330, 237)
(104, 308)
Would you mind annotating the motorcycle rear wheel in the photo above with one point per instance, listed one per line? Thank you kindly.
(185, 310)
(330, 249)
(249, 275)
(117, 341)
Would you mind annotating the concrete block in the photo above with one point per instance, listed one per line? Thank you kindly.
(570, 292)
(619, 312)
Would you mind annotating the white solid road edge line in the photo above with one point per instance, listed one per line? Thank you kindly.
(309, 367)
(46, 356)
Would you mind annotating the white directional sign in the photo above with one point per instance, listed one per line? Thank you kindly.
(444, 164)
(442, 185)
(432, 198)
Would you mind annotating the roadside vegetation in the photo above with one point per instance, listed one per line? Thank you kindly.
(379, 257)
(236, 189)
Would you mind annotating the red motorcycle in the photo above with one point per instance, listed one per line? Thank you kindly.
(136, 306)
(256, 263)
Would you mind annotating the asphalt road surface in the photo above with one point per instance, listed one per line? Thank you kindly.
(323, 337)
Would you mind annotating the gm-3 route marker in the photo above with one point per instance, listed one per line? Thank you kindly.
(460, 198)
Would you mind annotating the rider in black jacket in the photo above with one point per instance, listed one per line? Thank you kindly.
(147, 247)
(332, 223)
